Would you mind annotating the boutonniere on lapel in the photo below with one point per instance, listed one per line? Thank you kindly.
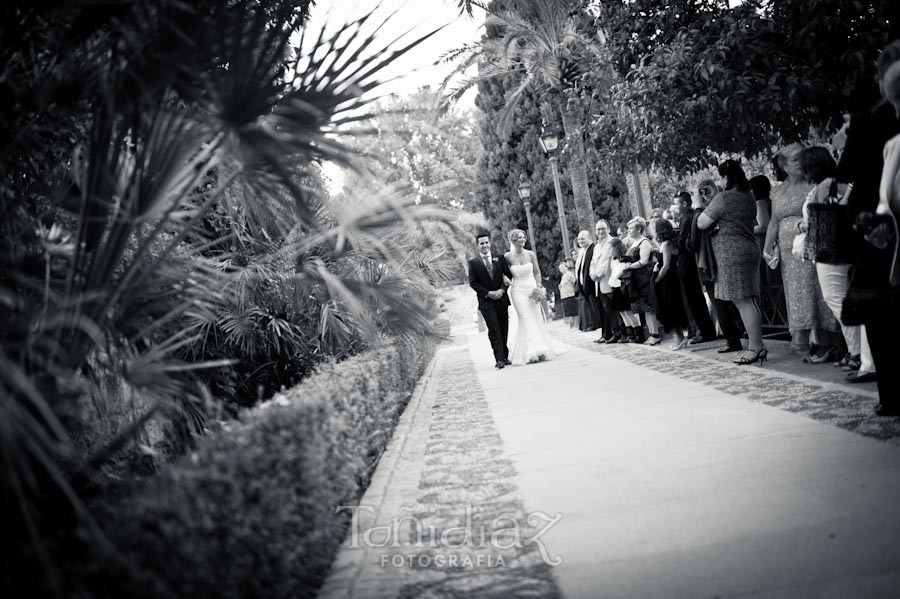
(494, 260)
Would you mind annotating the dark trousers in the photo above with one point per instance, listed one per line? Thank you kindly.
(882, 334)
(497, 321)
(692, 296)
(613, 326)
(595, 312)
(728, 317)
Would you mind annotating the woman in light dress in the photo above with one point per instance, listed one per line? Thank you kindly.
(531, 342)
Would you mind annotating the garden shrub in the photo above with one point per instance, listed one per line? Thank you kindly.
(251, 512)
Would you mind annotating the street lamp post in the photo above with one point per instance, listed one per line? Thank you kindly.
(525, 196)
(549, 142)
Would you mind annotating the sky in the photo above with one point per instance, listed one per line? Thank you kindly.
(417, 17)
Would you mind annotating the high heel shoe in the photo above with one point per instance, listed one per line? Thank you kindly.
(828, 356)
(681, 344)
(653, 340)
(759, 356)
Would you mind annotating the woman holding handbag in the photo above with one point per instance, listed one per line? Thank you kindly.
(809, 318)
(827, 229)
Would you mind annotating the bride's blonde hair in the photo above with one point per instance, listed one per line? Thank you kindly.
(511, 234)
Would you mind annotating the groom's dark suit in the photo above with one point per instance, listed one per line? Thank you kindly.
(495, 312)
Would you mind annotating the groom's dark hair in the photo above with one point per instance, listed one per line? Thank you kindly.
(481, 234)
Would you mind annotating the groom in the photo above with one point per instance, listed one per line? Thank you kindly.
(486, 278)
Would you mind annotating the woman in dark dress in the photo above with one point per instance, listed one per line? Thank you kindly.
(640, 286)
(671, 312)
(737, 253)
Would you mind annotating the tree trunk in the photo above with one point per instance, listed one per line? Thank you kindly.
(584, 209)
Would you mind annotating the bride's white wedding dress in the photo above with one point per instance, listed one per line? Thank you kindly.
(531, 343)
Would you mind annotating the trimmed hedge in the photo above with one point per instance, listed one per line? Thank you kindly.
(251, 513)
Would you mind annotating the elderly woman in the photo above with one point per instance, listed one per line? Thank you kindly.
(809, 318)
(643, 256)
(737, 253)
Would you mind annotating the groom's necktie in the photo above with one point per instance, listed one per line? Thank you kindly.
(487, 265)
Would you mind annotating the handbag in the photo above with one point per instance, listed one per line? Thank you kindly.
(830, 240)
(798, 247)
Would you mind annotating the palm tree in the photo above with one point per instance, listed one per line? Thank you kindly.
(129, 124)
(539, 40)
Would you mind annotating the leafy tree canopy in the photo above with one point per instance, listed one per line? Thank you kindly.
(696, 75)
(435, 153)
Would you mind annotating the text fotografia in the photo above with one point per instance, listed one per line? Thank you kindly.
(440, 560)
(503, 533)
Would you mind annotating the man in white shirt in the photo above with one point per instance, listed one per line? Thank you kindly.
(599, 271)
(585, 288)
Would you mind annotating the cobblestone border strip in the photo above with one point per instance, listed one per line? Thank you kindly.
(447, 477)
(825, 402)
(350, 564)
(473, 537)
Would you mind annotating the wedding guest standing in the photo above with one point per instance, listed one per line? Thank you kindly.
(691, 289)
(811, 323)
(863, 164)
(671, 314)
(567, 292)
(737, 253)
(831, 245)
(585, 288)
(643, 256)
(621, 303)
(701, 242)
(600, 265)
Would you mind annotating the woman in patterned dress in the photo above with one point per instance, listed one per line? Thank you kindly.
(809, 318)
(737, 253)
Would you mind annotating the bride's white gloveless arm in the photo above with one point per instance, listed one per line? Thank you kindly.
(537, 269)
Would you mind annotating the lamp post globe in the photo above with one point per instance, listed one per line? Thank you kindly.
(549, 140)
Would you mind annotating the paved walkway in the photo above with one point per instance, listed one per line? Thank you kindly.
(671, 475)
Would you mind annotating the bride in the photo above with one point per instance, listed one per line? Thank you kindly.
(532, 343)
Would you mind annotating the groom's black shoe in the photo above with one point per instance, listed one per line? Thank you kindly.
(499, 365)
(507, 362)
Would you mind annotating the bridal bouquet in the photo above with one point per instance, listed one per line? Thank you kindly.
(538, 295)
